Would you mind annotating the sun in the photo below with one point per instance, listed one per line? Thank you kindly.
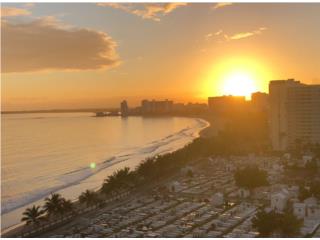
(237, 76)
(239, 83)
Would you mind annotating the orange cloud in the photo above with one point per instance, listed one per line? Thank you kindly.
(208, 36)
(12, 11)
(218, 33)
(151, 11)
(221, 5)
(246, 34)
(46, 44)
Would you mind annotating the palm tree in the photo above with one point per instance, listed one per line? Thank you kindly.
(33, 215)
(120, 180)
(53, 204)
(66, 206)
(146, 168)
(110, 185)
(90, 198)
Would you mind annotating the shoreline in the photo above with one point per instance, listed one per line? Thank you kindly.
(15, 229)
(215, 125)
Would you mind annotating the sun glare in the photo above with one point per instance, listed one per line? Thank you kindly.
(239, 83)
(237, 76)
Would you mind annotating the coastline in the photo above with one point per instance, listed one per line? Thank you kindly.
(203, 132)
(207, 131)
(212, 129)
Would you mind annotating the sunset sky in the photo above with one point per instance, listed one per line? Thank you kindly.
(82, 55)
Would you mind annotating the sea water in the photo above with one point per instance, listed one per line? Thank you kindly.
(68, 153)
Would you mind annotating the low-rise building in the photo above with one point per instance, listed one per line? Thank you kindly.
(309, 208)
(279, 200)
(299, 210)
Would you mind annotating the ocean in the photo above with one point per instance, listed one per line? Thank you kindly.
(68, 153)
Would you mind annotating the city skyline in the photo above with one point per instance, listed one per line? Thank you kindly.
(183, 52)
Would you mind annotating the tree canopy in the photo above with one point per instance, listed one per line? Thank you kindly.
(250, 177)
(33, 215)
(285, 224)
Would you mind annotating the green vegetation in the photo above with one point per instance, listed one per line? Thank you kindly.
(33, 215)
(67, 206)
(250, 177)
(265, 223)
(301, 147)
(312, 189)
(315, 189)
(53, 205)
(120, 180)
(90, 198)
(312, 166)
(290, 225)
(189, 173)
(304, 193)
(268, 223)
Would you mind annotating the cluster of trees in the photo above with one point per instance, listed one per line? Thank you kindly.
(306, 191)
(312, 166)
(251, 177)
(152, 169)
(301, 147)
(121, 180)
(90, 198)
(283, 224)
(54, 206)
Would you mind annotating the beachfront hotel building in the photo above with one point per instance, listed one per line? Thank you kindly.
(294, 113)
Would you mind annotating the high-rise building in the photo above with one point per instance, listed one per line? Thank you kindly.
(124, 108)
(224, 105)
(294, 113)
(260, 101)
(156, 107)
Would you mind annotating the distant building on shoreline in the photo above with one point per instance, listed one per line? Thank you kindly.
(124, 108)
(156, 107)
(163, 107)
(294, 113)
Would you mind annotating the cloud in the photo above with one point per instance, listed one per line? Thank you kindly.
(242, 35)
(46, 44)
(211, 35)
(221, 36)
(208, 36)
(221, 5)
(152, 11)
(218, 33)
(12, 11)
